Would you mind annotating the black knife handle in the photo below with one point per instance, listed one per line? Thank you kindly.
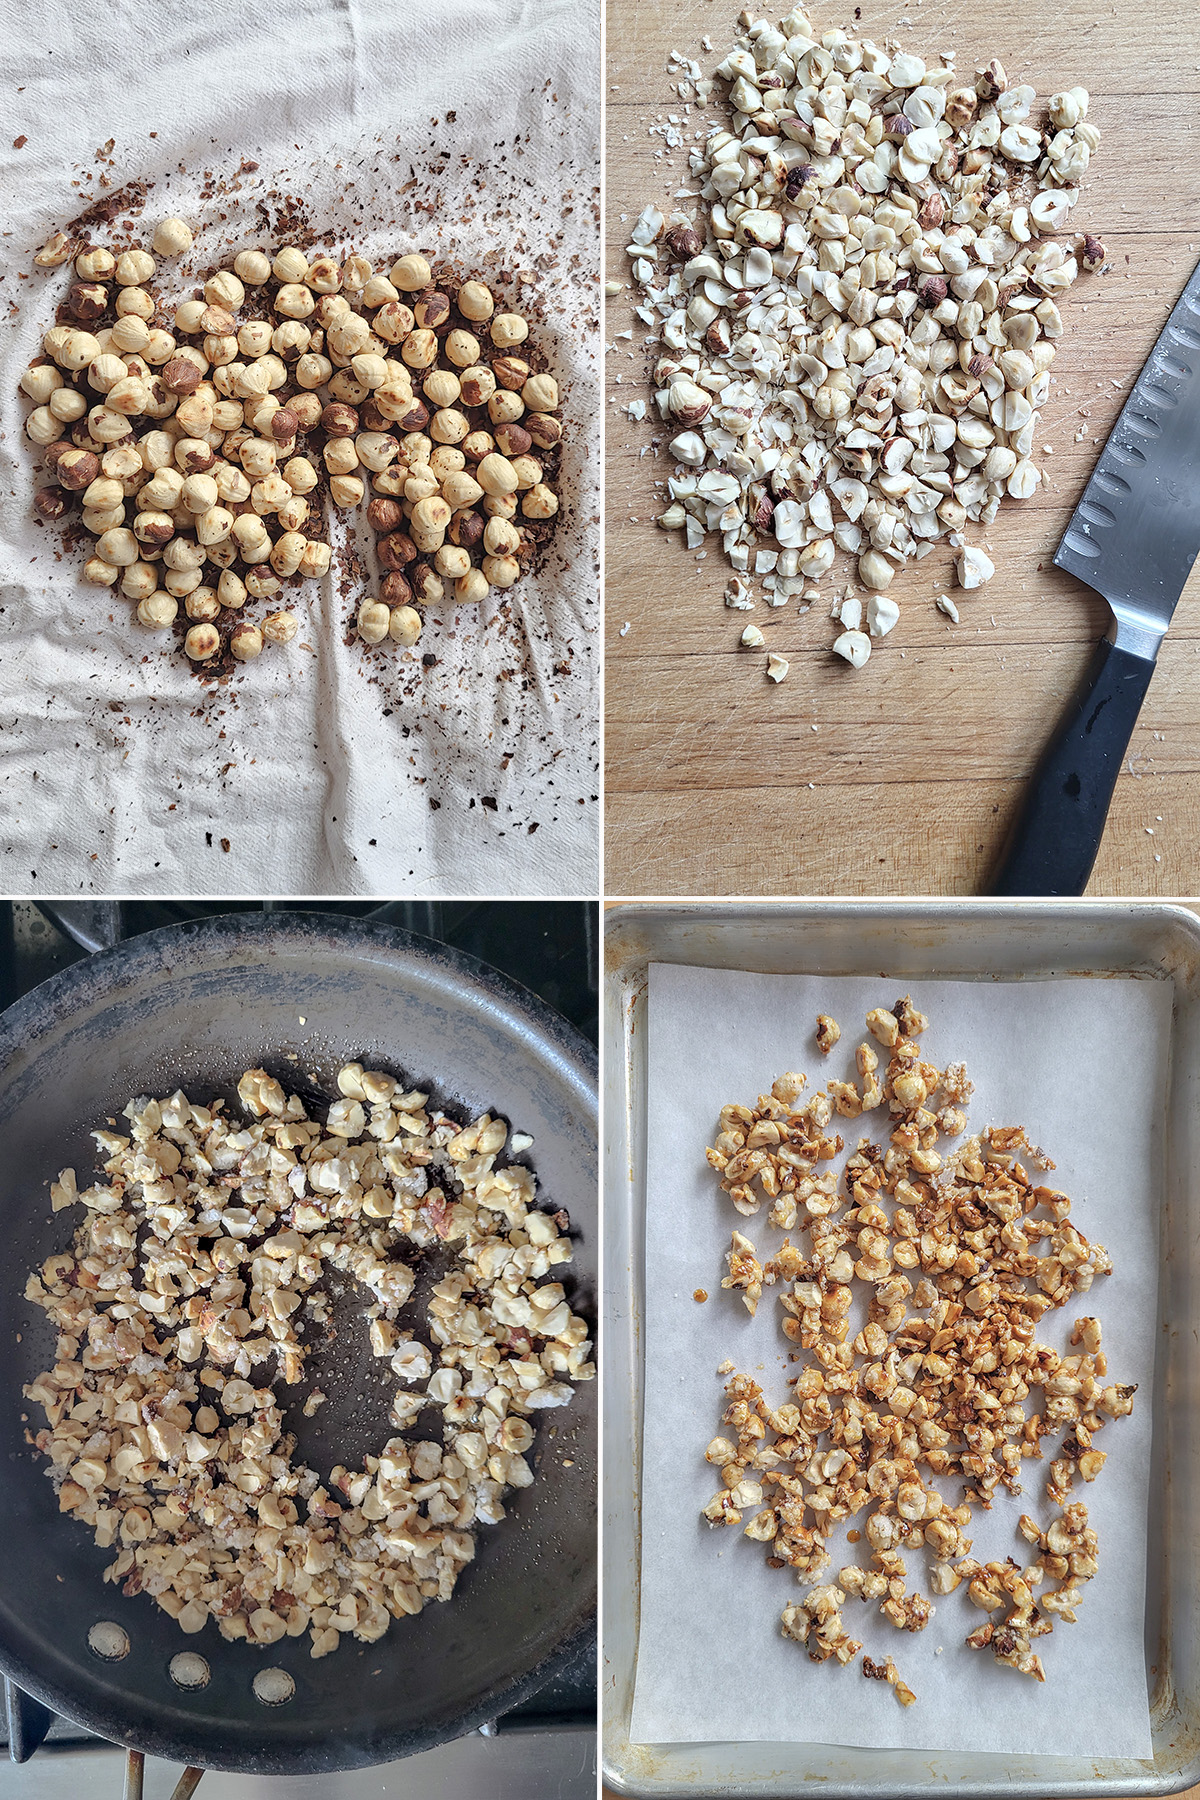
(1054, 841)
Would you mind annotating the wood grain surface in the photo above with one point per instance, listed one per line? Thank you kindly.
(904, 777)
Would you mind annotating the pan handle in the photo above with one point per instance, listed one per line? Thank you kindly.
(135, 1773)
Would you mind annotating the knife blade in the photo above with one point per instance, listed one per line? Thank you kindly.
(1133, 538)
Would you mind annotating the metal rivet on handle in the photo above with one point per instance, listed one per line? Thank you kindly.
(187, 1670)
(273, 1687)
(108, 1640)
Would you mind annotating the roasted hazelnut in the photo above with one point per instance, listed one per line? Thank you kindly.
(426, 586)
(396, 550)
(172, 237)
(307, 408)
(134, 268)
(394, 321)
(476, 385)
(507, 329)
(284, 425)
(130, 334)
(201, 642)
(416, 418)
(194, 457)
(373, 621)
(135, 302)
(501, 571)
(462, 349)
(339, 420)
(500, 538)
(497, 476)
(476, 445)
(180, 376)
(86, 300)
(246, 641)
(931, 290)
(472, 587)
(410, 274)
(202, 603)
(95, 265)
(513, 439)
(466, 528)
(384, 514)
(280, 627)
(433, 310)
(683, 242)
(540, 393)
(544, 429)
(404, 625)
(50, 503)
(475, 302)
(395, 589)
(158, 611)
(75, 469)
(419, 349)
(510, 372)
(539, 502)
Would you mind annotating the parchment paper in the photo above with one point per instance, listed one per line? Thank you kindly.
(326, 768)
(1082, 1065)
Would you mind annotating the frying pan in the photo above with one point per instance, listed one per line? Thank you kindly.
(191, 1006)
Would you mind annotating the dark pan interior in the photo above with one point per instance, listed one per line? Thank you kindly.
(191, 1007)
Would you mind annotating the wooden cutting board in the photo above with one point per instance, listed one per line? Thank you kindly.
(903, 777)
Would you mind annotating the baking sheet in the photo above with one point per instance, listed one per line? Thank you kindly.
(328, 767)
(1083, 1065)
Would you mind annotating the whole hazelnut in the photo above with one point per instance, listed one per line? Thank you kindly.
(284, 425)
(246, 642)
(932, 290)
(50, 503)
(510, 372)
(416, 418)
(201, 642)
(394, 589)
(370, 418)
(933, 211)
(180, 376)
(513, 439)
(544, 429)
(683, 242)
(76, 468)
(433, 310)
(384, 514)
(798, 178)
(86, 300)
(396, 550)
(466, 530)
(339, 420)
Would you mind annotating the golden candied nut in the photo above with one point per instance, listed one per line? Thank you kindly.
(828, 1033)
(884, 1026)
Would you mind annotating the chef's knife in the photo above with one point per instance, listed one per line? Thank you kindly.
(1133, 538)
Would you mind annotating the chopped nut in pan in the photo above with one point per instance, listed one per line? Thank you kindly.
(917, 1419)
(197, 1281)
(855, 308)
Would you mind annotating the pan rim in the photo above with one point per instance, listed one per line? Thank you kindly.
(565, 1052)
